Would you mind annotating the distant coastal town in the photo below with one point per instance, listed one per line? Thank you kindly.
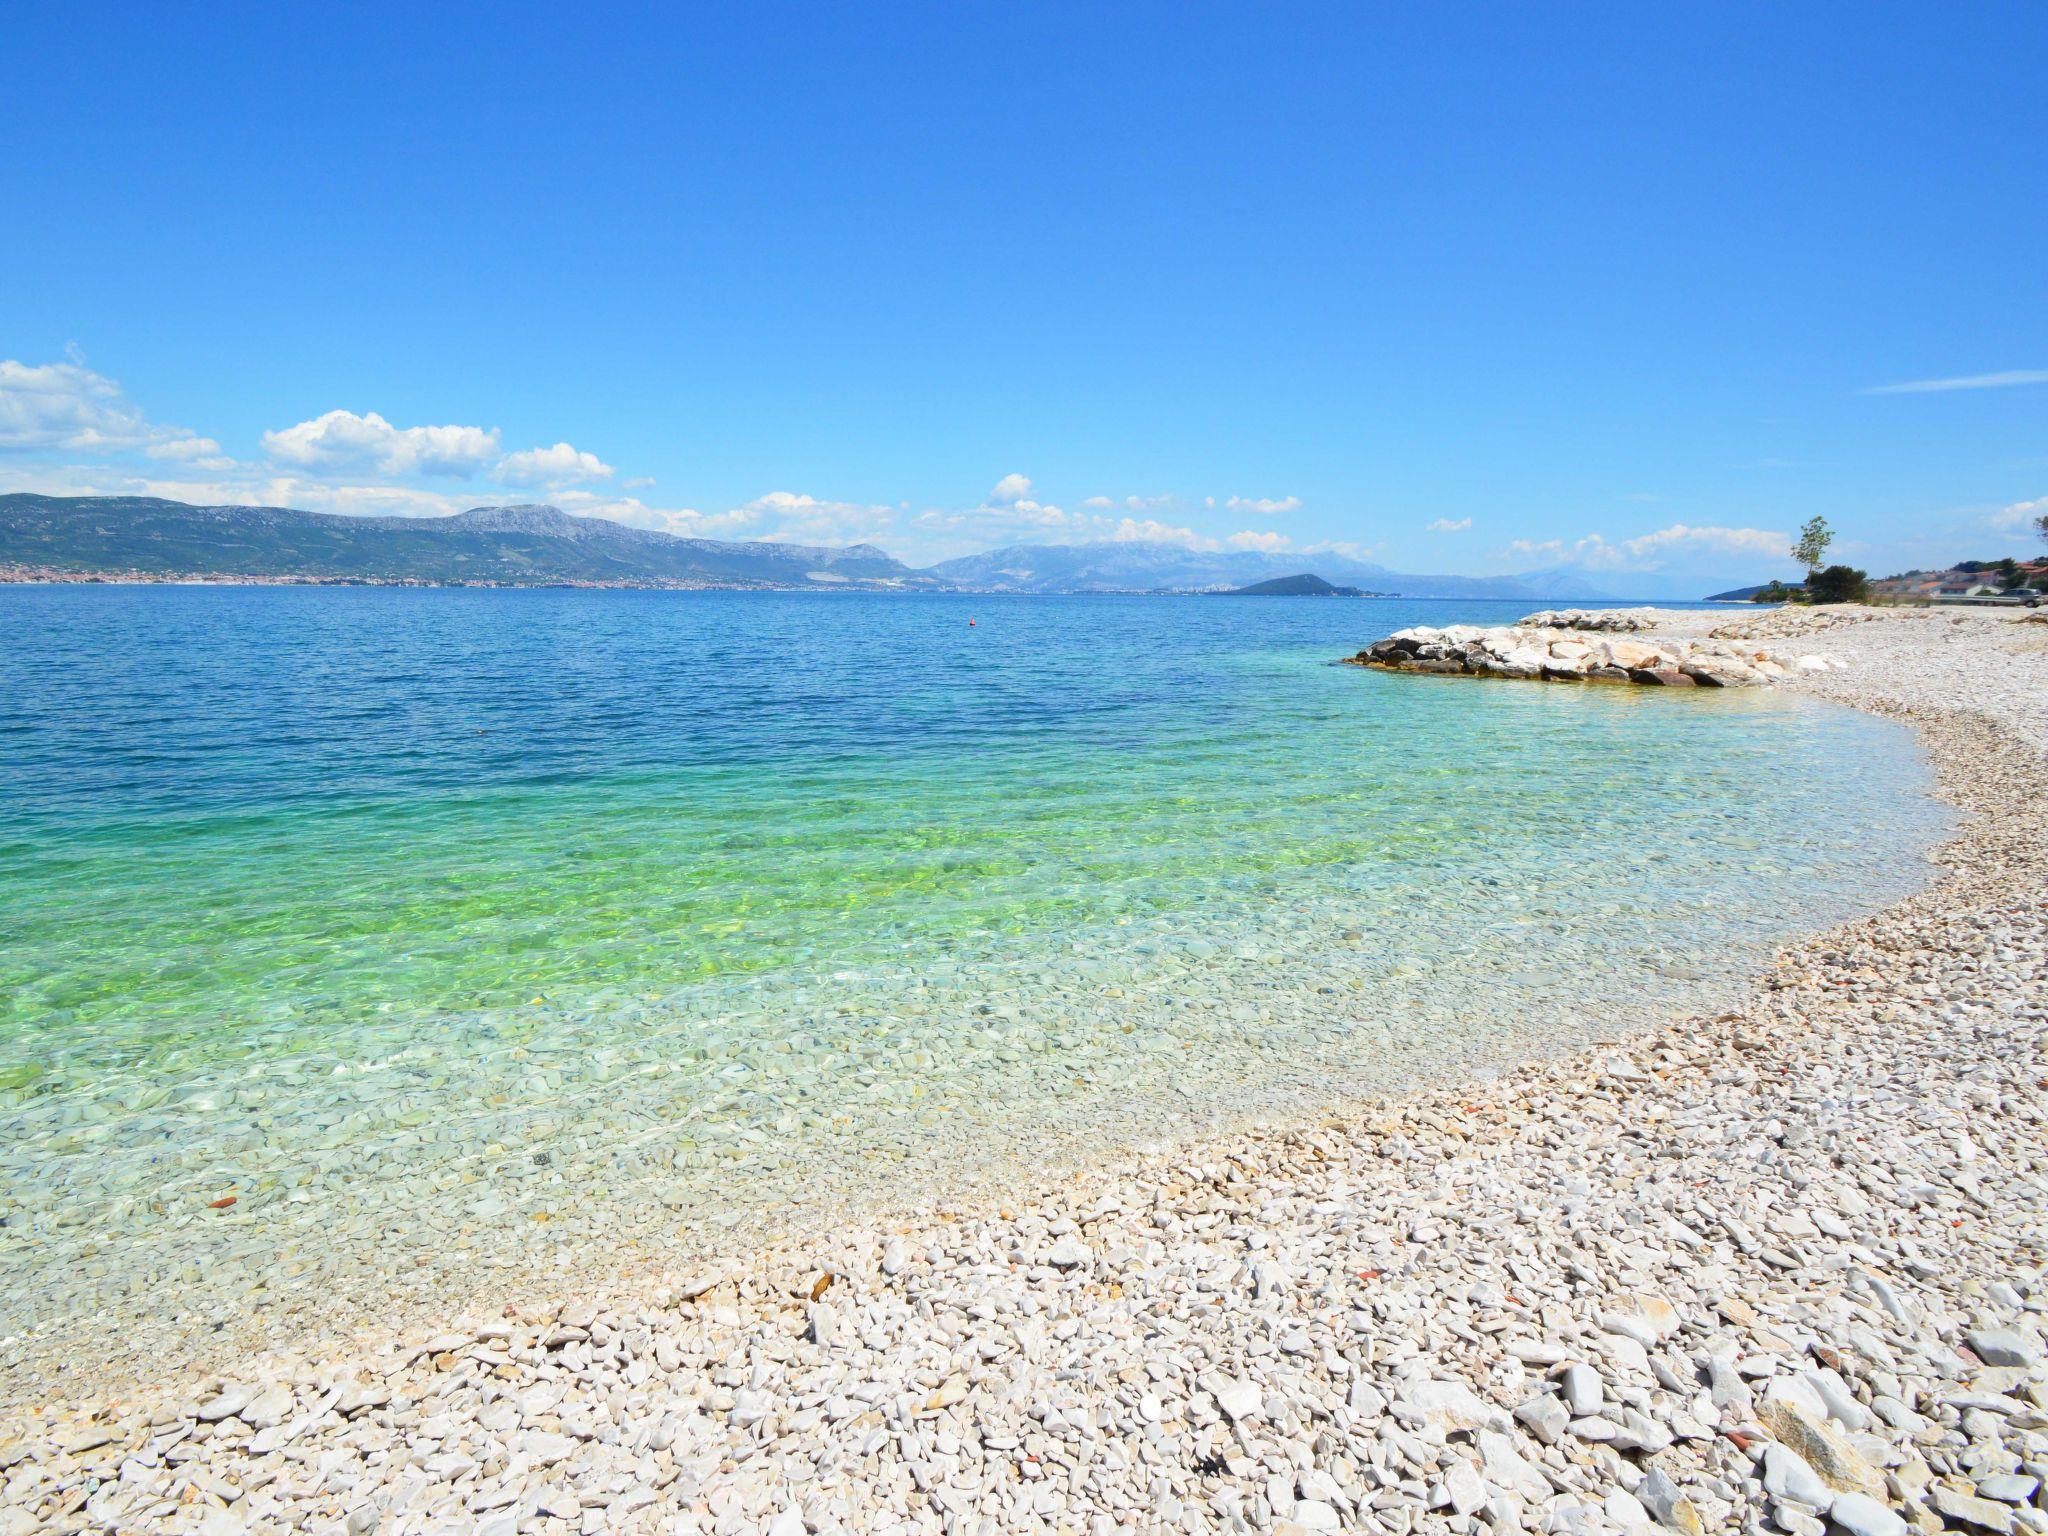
(45, 575)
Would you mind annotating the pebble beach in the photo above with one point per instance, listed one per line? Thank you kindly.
(1779, 1268)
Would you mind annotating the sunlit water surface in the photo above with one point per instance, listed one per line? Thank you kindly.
(460, 933)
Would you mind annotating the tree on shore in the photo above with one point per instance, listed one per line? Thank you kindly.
(1838, 584)
(1812, 548)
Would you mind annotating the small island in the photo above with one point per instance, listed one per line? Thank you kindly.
(1304, 585)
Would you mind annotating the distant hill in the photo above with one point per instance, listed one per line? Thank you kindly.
(1738, 594)
(1304, 585)
(1575, 582)
(1142, 566)
(519, 545)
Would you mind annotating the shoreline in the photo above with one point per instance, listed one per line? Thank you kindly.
(14, 577)
(1131, 1263)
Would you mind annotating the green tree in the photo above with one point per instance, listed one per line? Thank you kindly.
(1814, 540)
(1838, 584)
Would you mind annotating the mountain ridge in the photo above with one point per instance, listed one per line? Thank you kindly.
(534, 543)
(523, 544)
(1144, 565)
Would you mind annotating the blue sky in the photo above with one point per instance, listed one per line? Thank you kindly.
(1473, 288)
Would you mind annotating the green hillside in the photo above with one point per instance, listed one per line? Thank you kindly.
(521, 545)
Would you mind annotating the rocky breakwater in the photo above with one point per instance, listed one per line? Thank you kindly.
(1529, 650)
(1606, 620)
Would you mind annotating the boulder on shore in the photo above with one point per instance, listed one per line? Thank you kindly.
(1605, 620)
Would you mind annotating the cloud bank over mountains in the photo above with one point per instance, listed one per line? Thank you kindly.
(85, 435)
(66, 428)
(1649, 551)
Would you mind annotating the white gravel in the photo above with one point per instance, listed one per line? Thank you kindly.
(1778, 1268)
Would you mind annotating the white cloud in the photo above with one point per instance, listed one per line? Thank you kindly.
(1649, 551)
(801, 519)
(1969, 381)
(342, 441)
(1265, 543)
(1350, 549)
(1264, 506)
(1135, 530)
(359, 464)
(249, 489)
(326, 495)
(1010, 514)
(559, 465)
(1450, 525)
(1730, 541)
(1003, 516)
(68, 407)
(199, 452)
(203, 450)
(684, 522)
(939, 532)
(1132, 503)
(380, 500)
(2021, 514)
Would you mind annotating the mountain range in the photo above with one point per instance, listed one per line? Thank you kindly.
(534, 545)
(513, 545)
(1139, 566)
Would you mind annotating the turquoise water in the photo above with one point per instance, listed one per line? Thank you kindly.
(518, 929)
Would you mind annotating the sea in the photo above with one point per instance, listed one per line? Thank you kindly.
(366, 947)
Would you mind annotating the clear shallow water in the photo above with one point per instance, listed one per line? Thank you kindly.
(523, 931)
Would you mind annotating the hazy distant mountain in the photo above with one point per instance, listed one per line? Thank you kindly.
(519, 544)
(532, 545)
(1139, 566)
(1573, 581)
(1737, 595)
